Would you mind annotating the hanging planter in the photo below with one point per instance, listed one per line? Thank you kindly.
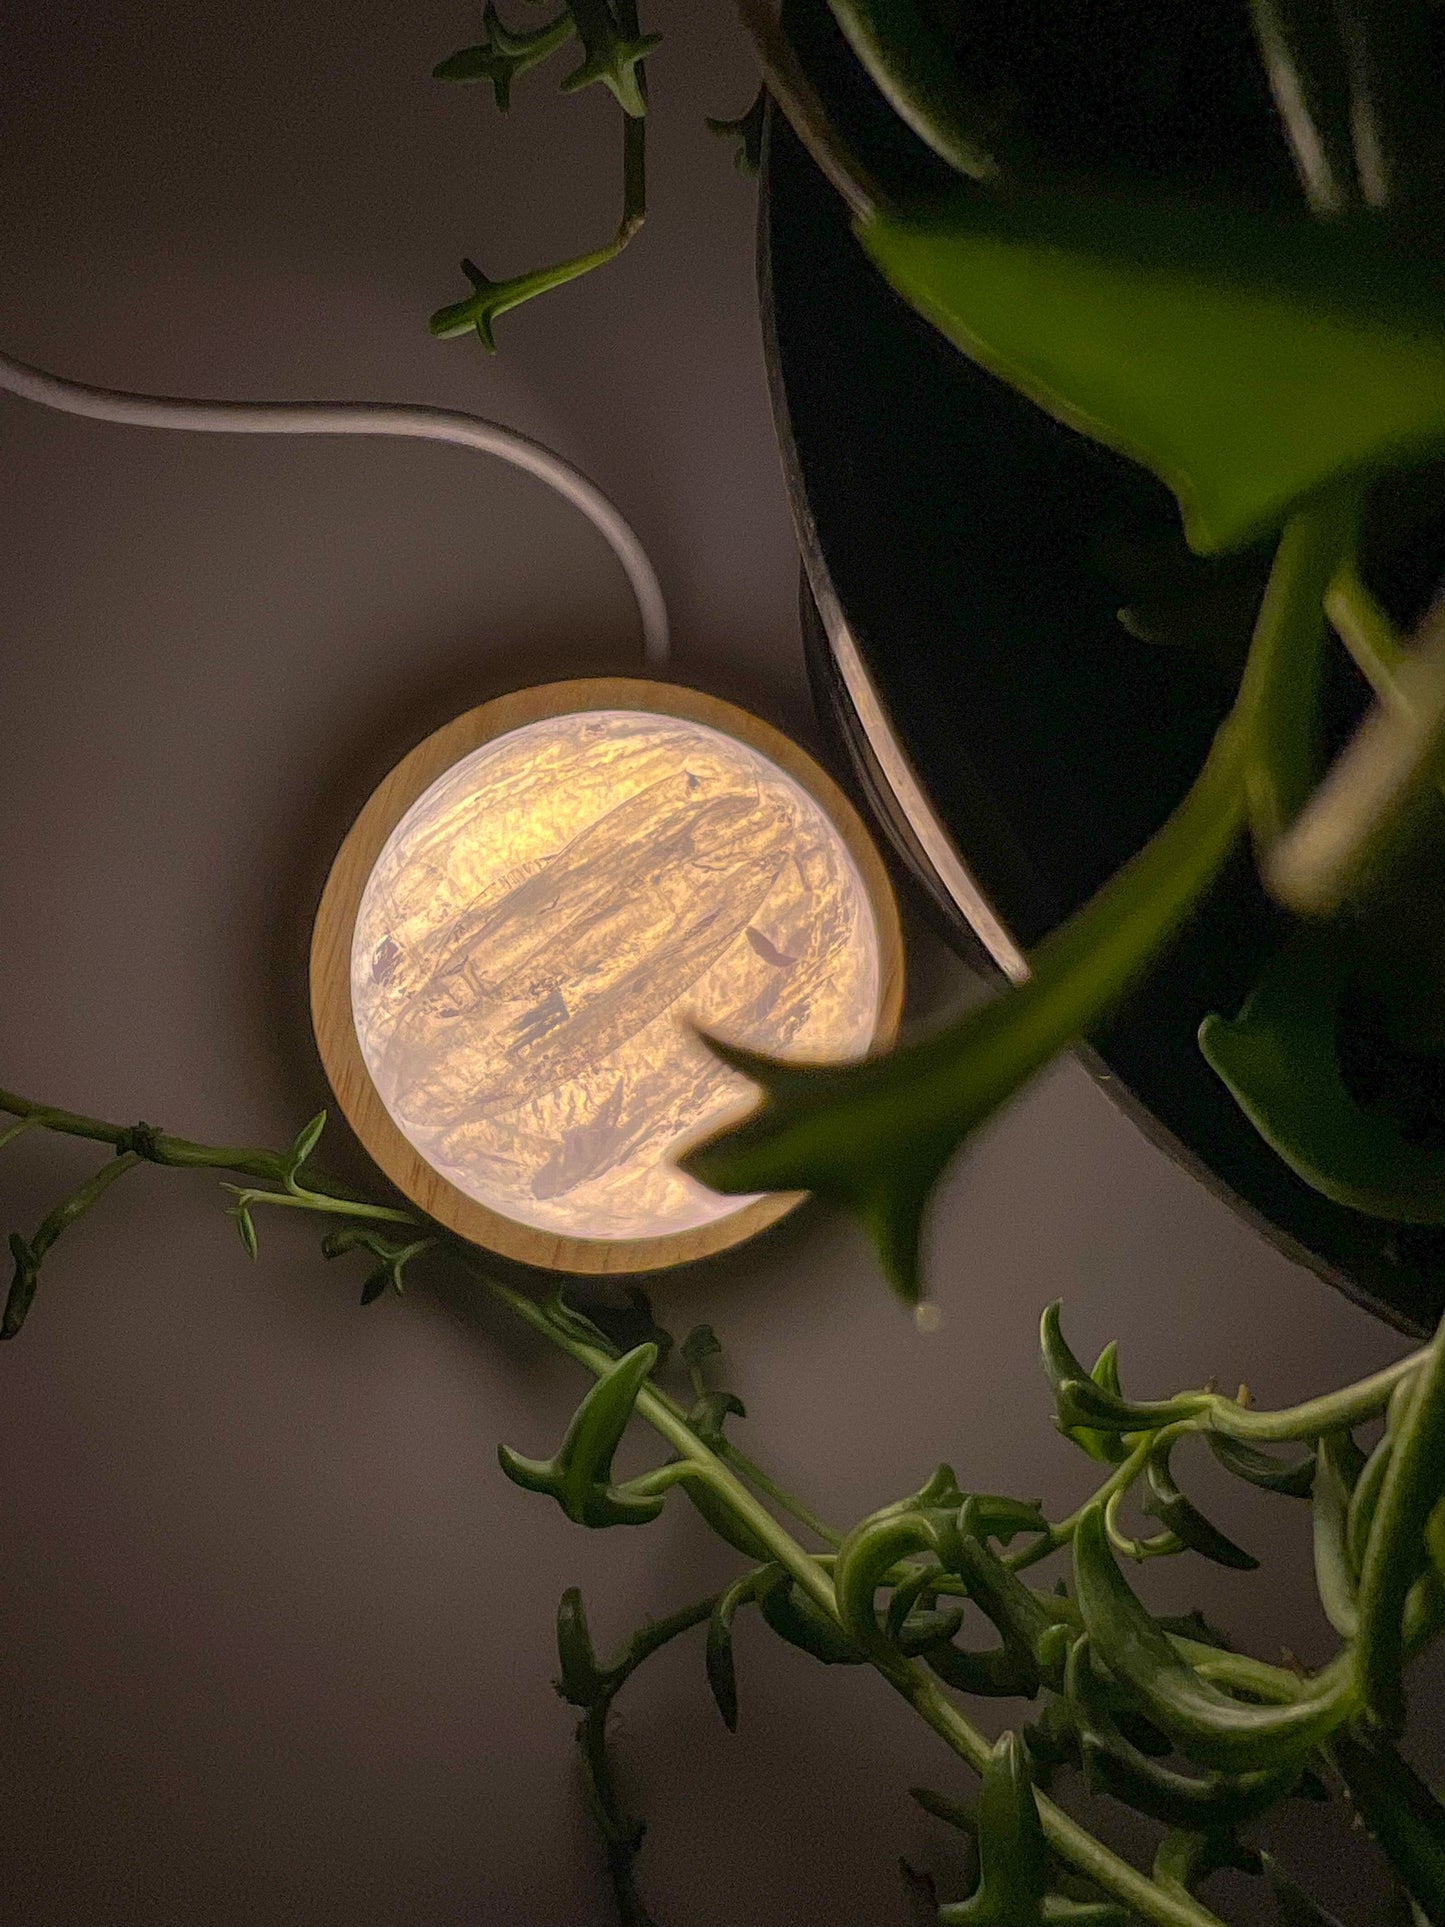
(1026, 663)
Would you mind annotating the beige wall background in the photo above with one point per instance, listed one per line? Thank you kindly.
(275, 1635)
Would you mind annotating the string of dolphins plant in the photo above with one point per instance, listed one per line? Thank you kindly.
(1157, 1713)
(1277, 370)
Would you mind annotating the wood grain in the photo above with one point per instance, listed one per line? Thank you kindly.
(331, 1009)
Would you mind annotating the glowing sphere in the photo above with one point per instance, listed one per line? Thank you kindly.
(547, 922)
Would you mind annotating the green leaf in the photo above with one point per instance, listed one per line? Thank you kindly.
(504, 56)
(583, 1680)
(1280, 1061)
(1080, 1399)
(611, 57)
(875, 1136)
(1013, 1881)
(615, 1326)
(724, 1522)
(701, 1344)
(23, 1284)
(707, 1414)
(307, 1139)
(1293, 1477)
(1034, 1625)
(1247, 360)
(799, 1620)
(578, 1475)
(246, 1229)
(1334, 1578)
(1013, 1856)
(1114, 1762)
(1395, 1552)
(953, 1813)
(1205, 1724)
(721, 1672)
(1184, 1859)
(992, 1515)
(917, 72)
(1404, 1816)
(1107, 1447)
(1168, 1504)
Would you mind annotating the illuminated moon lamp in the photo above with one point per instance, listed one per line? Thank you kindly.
(525, 923)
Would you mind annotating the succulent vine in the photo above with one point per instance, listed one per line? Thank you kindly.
(1161, 1715)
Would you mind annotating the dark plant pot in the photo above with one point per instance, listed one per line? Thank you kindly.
(1014, 744)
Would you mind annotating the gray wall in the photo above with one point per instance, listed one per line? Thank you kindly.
(275, 1636)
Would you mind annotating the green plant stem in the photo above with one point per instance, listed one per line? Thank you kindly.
(1071, 1841)
(1277, 708)
(480, 311)
(178, 1152)
(754, 1474)
(1394, 1550)
(1164, 1905)
(301, 1198)
(802, 107)
(620, 1835)
(1331, 1412)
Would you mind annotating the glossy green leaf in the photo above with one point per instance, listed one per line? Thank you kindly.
(875, 1136)
(872, 1549)
(504, 56)
(307, 1138)
(1205, 1724)
(1247, 360)
(721, 1671)
(578, 1475)
(1114, 1762)
(707, 1413)
(1281, 1064)
(1293, 1477)
(1013, 1856)
(1081, 1400)
(1013, 1880)
(992, 1515)
(1183, 1518)
(611, 55)
(1404, 1816)
(1107, 1447)
(922, 1631)
(1039, 1625)
(798, 1619)
(724, 1522)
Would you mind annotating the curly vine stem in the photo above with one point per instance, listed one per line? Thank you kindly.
(1255, 1722)
(615, 55)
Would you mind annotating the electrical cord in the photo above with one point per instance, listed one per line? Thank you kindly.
(367, 418)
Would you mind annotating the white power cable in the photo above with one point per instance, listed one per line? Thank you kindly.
(366, 418)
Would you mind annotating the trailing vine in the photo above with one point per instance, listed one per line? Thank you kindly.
(1159, 1714)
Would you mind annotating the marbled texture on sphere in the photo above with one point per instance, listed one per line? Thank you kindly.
(546, 920)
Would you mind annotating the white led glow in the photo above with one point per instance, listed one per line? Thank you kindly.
(548, 919)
